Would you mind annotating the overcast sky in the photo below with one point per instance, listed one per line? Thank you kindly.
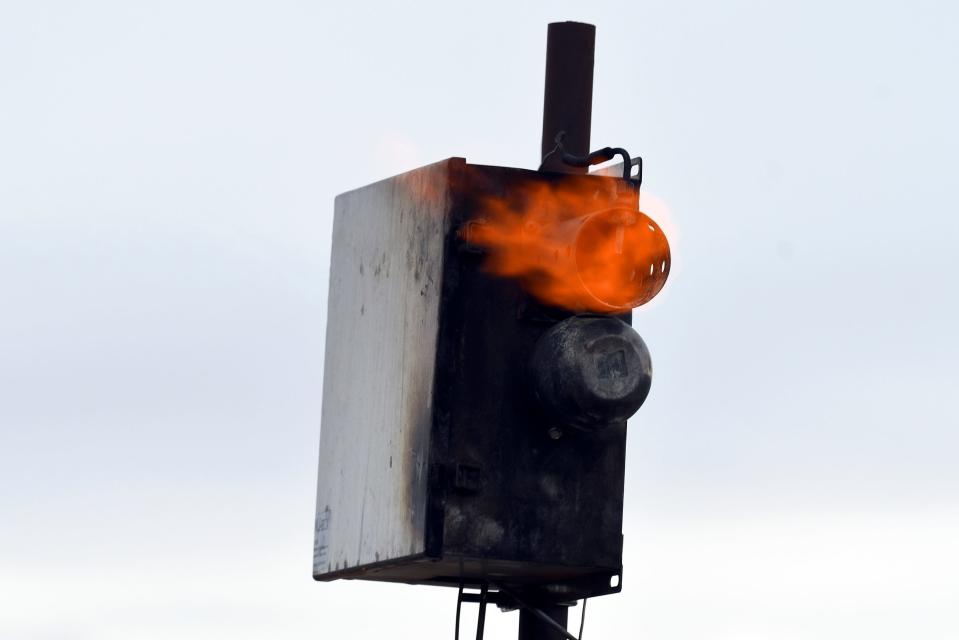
(167, 175)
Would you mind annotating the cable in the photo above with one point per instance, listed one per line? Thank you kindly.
(582, 619)
(481, 621)
(596, 157)
(559, 147)
(459, 604)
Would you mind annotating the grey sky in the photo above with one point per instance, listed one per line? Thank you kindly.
(167, 174)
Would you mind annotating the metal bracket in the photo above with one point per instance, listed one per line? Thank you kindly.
(508, 600)
(598, 157)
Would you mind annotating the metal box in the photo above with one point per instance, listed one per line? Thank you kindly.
(435, 466)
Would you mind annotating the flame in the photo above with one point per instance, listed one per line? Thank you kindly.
(576, 243)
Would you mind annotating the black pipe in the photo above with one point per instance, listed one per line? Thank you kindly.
(534, 627)
(568, 97)
(567, 117)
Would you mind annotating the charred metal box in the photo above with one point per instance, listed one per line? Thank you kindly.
(436, 466)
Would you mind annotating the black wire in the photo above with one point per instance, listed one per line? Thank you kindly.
(459, 604)
(582, 619)
(481, 621)
(559, 147)
(596, 157)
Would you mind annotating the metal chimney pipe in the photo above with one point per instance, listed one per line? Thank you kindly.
(568, 97)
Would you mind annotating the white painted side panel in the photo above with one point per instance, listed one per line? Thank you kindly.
(387, 263)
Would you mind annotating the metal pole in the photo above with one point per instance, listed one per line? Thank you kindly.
(568, 98)
(531, 627)
(567, 107)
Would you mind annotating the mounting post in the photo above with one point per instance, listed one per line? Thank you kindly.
(532, 627)
(567, 107)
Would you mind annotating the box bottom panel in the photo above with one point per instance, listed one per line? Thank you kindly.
(557, 581)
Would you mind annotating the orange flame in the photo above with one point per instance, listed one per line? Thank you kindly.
(580, 243)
